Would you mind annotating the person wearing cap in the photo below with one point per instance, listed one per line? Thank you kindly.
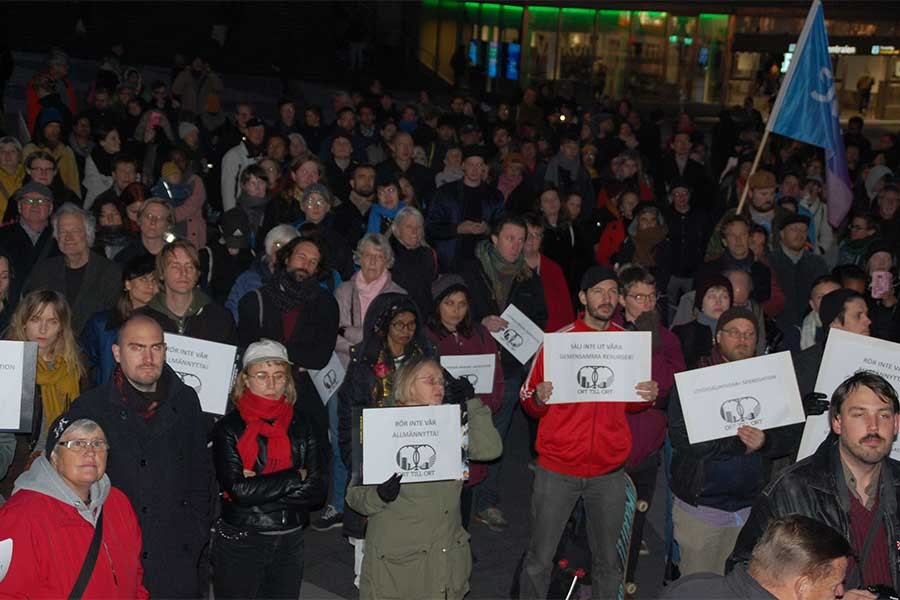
(12, 170)
(401, 161)
(711, 503)
(689, 229)
(460, 212)
(849, 483)
(581, 448)
(270, 463)
(48, 137)
(316, 206)
(811, 203)
(89, 281)
(30, 238)
(59, 505)
(678, 164)
(161, 461)
(248, 152)
(226, 256)
(795, 269)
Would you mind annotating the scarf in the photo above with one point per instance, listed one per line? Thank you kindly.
(507, 184)
(142, 403)
(705, 319)
(59, 388)
(368, 291)
(254, 207)
(645, 242)
(112, 235)
(102, 160)
(501, 273)
(381, 218)
(270, 419)
(287, 293)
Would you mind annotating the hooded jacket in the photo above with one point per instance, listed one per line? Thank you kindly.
(204, 319)
(51, 529)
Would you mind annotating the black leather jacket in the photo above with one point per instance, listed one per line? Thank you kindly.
(815, 487)
(275, 501)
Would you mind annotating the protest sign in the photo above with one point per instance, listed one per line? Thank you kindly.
(208, 367)
(845, 354)
(329, 378)
(596, 366)
(760, 392)
(424, 443)
(521, 337)
(18, 368)
(478, 369)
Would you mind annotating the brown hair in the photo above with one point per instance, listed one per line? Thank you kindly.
(33, 304)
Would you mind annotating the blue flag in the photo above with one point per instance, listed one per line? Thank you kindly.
(806, 109)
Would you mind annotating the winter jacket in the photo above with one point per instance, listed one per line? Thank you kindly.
(273, 501)
(737, 585)
(479, 342)
(820, 230)
(580, 439)
(815, 487)
(696, 341)
(192, 91)
(190, 213)
(219, 268)
(611, 240)
(67, 168)
(162, 465)
(760, 274)
(96, 340)
(233, 163)
(796, 280)
(688, 234)
(51, 529)
(100, 288)
(251, 279)
(445, 214)
(23, 254)
(95, 182)
(33, 105)
(415, 270)
(204, 319)
(351, 317)
(557, 297)
(416, 546)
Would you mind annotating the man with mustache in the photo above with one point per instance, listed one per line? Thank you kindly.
(850, 483)
(715, 482)
(294, 309)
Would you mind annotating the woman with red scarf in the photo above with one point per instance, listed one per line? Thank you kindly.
(271, 467)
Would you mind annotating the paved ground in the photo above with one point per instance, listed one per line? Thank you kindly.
(329, 558)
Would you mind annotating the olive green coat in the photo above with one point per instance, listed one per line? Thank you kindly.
(416, 547)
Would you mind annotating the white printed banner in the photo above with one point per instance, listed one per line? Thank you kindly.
(208, 367)
(477, 369)
(521, 337)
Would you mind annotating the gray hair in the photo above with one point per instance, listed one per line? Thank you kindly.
(83, 426)
(280, 235)
(90, 224)
(8, 139)
(409, 212)
(380, 243)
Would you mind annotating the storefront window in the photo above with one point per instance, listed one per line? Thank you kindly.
(576, 47)
(611, 51)
(712, 37)
(647, 56)
(542, 42)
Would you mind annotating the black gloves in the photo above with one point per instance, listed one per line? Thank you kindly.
(457, 389)
(390, 489)
(815, 403)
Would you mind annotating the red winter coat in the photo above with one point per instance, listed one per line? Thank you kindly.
(581, 439)
(32, 104)
(556, 293)
(50, 541)
(611, 240)
(480, 342)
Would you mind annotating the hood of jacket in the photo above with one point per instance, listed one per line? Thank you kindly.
(198, 302)
(372, 342)
(43, 479)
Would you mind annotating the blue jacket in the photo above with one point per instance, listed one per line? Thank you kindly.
(445, 214)
(96, 342)
(251, 279)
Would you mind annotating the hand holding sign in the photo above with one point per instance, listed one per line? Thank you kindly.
(493, 323)
(752, 437)
(648, 390)
(542, 393)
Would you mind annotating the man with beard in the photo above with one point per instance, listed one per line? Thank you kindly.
(849, 483)
(581, 448)
(351, 216)
(48, 137)
(294, 309)
(715, 482)
(248, 152)
(160, 461)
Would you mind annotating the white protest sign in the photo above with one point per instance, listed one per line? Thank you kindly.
(18, 368)
(424, 443)
(845, 354)
(6, 548)
(208, 367)
(329, 378)
(521, 337)
(760, 392)
(478, 369)
(596, 366)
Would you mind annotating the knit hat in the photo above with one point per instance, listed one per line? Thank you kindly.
(473, 150)
(596, 274)
(170, 169)
(236, 228)
(762, 180)
(736, 312)
(56, 431)
(138, 266)
(47, 116)
(709, 283)
(446, 285)
(185, 128)
(832, 305)
(318, 188)
(793, 219)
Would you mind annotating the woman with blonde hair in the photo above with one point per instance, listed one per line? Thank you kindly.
(44, 317)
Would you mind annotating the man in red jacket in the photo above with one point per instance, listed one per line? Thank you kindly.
(582, 448)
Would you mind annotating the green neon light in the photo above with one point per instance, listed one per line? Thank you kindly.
(674, 39)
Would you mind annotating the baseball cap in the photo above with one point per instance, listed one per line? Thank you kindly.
(263, 350)
(596, 274)
(236, 228)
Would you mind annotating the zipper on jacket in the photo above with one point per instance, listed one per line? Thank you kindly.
(111, 566)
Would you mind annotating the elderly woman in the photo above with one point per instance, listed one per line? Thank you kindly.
(63, 506)
(714, 296)
(316, 206)
(415, 263)
(416, 546)
(271, 466)
(155, 219)
(375, 257)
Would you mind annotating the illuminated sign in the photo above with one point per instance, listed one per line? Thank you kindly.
(831, 49)
(493, 53)
(885, 50)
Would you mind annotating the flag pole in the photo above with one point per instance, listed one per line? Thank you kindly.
(801, 44)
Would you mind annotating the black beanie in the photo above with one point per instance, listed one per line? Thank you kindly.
(832, 304)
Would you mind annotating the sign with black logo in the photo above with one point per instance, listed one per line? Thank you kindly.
(328, 379)
(477, 369)
(207, 367)
(521, 337)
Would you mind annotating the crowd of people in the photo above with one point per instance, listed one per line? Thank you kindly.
(393, 234)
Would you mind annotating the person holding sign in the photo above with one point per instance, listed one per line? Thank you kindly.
(500, 276)
(715, 482)
(416, 546)
(271, 464)
(850, 484)
(582, 448)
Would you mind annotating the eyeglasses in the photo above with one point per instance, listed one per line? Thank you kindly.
(401, 326)
(316, 203)
(643, 298)
(82, 446)
(263, 378)
(432, 381)
(36, 200)
(737, 334)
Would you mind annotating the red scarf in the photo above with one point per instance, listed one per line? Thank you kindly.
(257, 413)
